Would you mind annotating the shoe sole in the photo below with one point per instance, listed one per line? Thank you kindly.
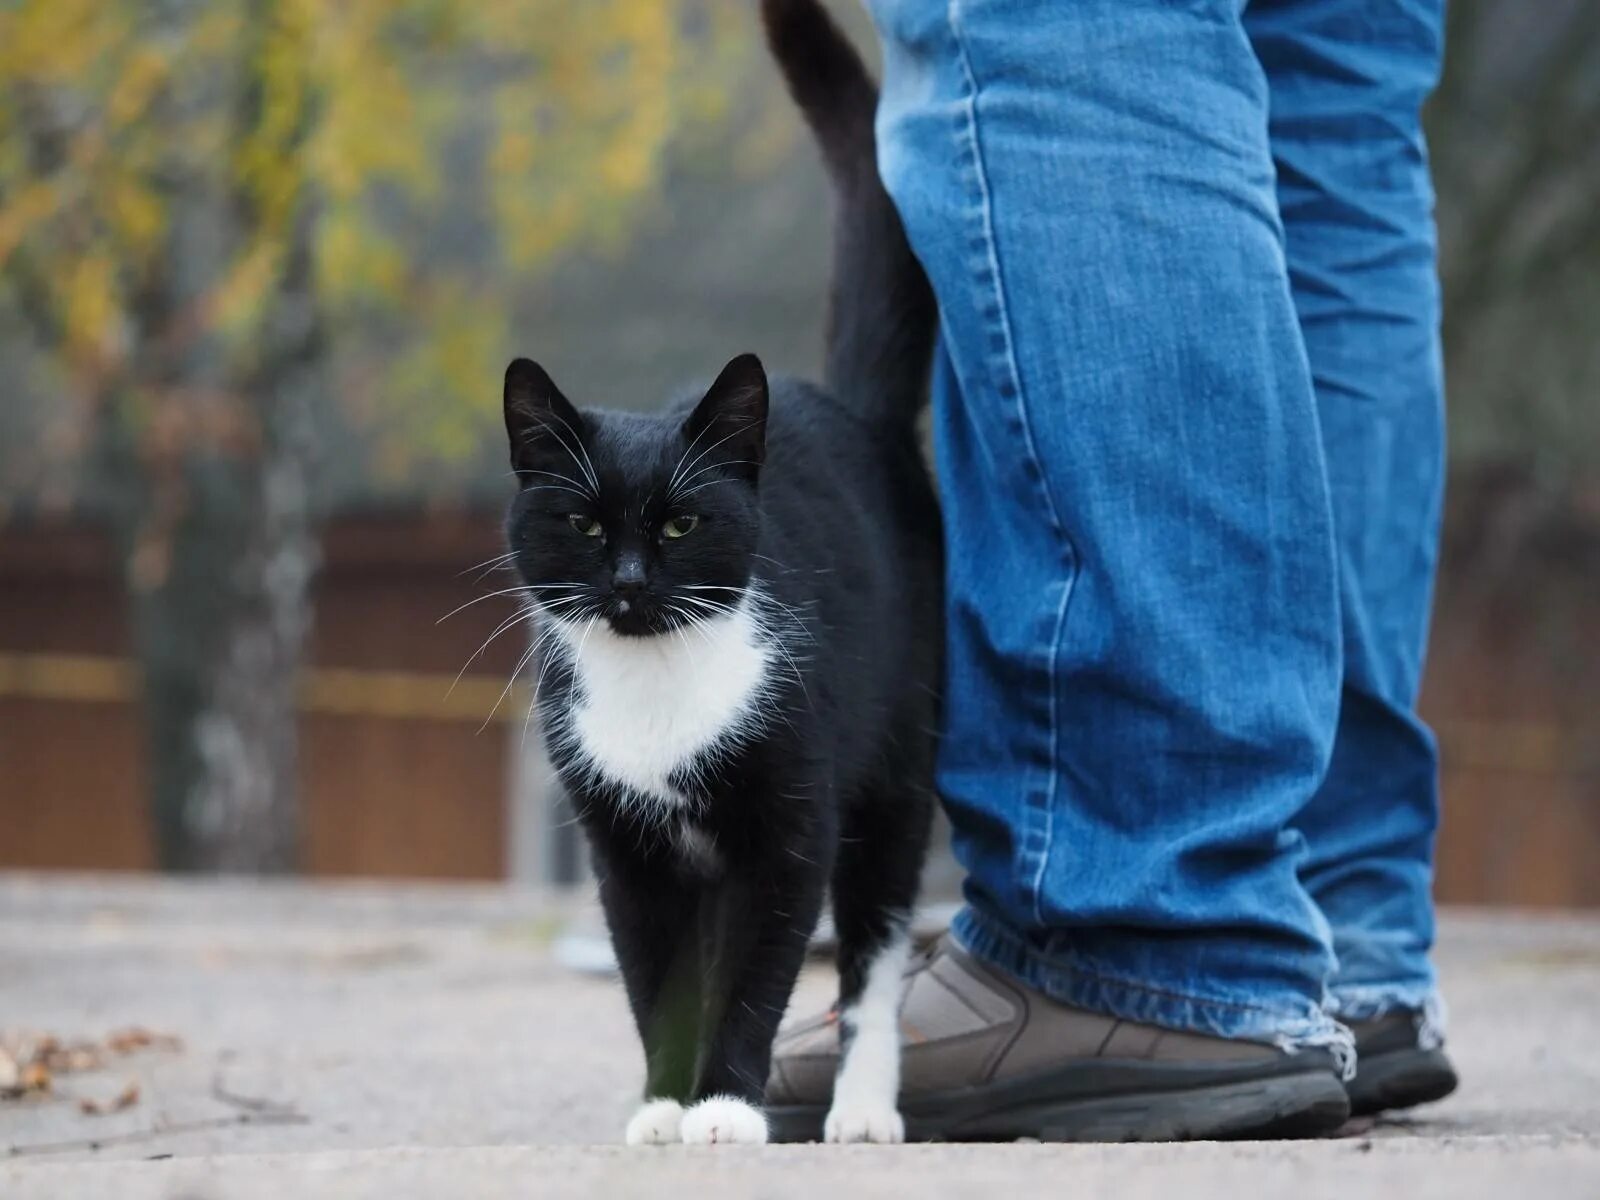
(1400, 1079)
(1281, 1106)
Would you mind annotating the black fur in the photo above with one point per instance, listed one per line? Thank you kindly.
(881, 311)
(819, 500)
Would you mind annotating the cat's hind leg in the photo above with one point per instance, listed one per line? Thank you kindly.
(875, 888)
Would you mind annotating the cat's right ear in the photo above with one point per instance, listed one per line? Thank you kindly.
(539, 419)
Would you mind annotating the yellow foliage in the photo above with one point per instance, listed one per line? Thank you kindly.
(355, 123)
(33, 201)
(130, 93)
(91, 310)
(134, 213)
(468, 334)
(59, 41)
(234, 303)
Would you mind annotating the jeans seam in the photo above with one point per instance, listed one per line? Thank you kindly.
(1363, 1000)
(1030, 448)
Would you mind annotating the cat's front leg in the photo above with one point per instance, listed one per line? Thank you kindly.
(755, 937)
(656, 1122)
(724, 1121)
(653, 915)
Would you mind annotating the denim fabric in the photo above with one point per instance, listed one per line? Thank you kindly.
(1188, 426)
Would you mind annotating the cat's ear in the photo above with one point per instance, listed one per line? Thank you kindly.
(539, 418)
(729, 425)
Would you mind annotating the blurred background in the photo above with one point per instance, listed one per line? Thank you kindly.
(262, 263)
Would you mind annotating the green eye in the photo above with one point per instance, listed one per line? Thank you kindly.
(587, 526)
(677, 527)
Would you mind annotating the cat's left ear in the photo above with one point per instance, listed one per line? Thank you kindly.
(730, 422)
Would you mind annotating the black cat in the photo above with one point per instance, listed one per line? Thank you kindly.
(740, 614)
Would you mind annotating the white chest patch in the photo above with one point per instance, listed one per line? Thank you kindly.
(646, 707)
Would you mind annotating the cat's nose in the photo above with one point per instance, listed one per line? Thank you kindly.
(628, 577)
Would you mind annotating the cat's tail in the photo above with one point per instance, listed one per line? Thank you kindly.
(881, 315)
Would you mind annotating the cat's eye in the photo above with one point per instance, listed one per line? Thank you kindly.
(587, 526)
(680, 526)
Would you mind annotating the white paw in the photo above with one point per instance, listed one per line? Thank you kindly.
(655, 1123)
(723, 1121)
(863, 1121)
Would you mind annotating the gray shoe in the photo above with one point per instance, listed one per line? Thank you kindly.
(984, 1058)
(1396, 1066)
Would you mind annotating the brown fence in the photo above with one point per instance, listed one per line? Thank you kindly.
(403, 777)
(401, 774)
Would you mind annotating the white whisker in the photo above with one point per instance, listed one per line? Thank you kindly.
(700, 487)
(732, 462)
(538, 684)
(676, 480)
(488, 562)
(587, 466)
(520, 589)
(518, 617)
(510, 683)
(566, 482)
(584, 465)
(774, 635)
(688, 450)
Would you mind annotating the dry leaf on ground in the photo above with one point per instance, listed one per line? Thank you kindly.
(126, 1098)
(30, 1062)
(136, 1037)
(19, 1079)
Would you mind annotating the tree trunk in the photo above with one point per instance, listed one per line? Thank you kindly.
(244, 810)
(220, 544)
(241, 813)
(221, 638)
(221, 571)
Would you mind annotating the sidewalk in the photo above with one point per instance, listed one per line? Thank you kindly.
(409, 1041)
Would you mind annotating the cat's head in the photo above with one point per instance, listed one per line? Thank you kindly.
(647, 522)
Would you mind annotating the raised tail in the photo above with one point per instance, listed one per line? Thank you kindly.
(881, 314)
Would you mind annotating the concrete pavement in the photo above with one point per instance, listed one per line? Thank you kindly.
(363, 1040)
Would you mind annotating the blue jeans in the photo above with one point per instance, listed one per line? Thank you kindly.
(1188, 420)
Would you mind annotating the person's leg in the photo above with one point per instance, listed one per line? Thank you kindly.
(1347, 81)
(1143, 616)
(1144, 650)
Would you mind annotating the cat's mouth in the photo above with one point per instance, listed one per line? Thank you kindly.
(638, 618)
